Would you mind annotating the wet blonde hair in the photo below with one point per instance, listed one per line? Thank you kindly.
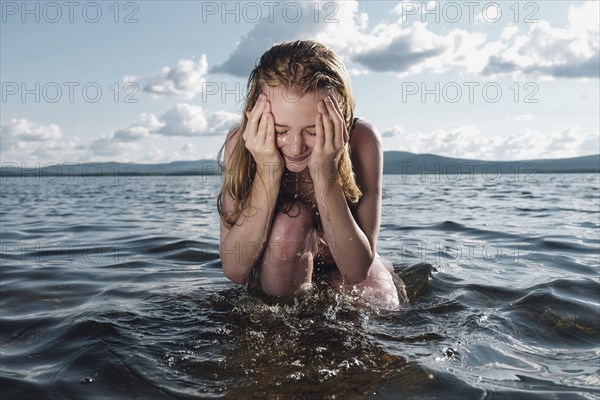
(304, 66)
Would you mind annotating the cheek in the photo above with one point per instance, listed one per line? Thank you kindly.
(279, 141)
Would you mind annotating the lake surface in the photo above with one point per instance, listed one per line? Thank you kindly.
(112, 287)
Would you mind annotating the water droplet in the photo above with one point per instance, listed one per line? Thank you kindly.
(87, 379)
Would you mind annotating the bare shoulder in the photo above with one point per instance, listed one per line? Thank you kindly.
(365, 143)
(230, 140)
(233, 131)
(365, 135)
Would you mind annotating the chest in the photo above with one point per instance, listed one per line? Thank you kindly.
(297, 185)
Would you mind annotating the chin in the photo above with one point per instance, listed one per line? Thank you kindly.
(295, 167)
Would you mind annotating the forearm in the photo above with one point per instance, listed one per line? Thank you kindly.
(347, 243)
(244, 243)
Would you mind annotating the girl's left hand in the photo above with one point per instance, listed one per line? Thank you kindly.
(332, 137)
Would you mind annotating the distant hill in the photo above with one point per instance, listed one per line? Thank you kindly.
(113, 168)
(402, 162)
(395, 162)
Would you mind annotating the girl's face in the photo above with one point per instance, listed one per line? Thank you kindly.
(294, 124)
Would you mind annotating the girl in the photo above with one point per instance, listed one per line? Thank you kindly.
(301, 195)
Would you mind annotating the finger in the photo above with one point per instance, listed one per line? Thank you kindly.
(254, 116)
(270, 121)
(328, 126)
(261, 131)
(339, 111)
(320, 131)
(270, 130)
(264, 133)
(336, 119)
(245, 134)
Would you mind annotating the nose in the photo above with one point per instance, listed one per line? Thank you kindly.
(298, 146)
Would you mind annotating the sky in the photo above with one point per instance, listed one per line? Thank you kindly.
(163, 81)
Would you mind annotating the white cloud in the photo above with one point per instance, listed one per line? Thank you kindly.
(547, 51)
(183, 120)
(525, 117)
(24, 140)
(464, 142)
(190, 120)
(469, 142)
(393, 131)
(20, 130)
(108, 149)
(190, 150)
(414, 49)
(509, 32)
(405, 48)
(388, 47)
(276, 28)
(569, 52)
(157, 155)
(184, 80)
(140, 129)
(585, 20)
(187, 152)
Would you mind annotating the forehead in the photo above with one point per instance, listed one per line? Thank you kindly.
(291, 109)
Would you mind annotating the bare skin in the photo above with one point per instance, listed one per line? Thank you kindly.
(306, 135)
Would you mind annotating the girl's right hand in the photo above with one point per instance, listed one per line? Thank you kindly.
(259, 138)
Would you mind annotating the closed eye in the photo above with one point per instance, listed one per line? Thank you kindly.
(285, 132)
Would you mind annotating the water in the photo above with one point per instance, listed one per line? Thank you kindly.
(112, 288)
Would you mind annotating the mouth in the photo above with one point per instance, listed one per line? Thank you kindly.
(297, 159)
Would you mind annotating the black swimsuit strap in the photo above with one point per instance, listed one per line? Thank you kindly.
(352, 127)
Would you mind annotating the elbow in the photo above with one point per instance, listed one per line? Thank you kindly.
(232, 273)
(358, 277)
(234, 276)
(362, 273)
(231, 270)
